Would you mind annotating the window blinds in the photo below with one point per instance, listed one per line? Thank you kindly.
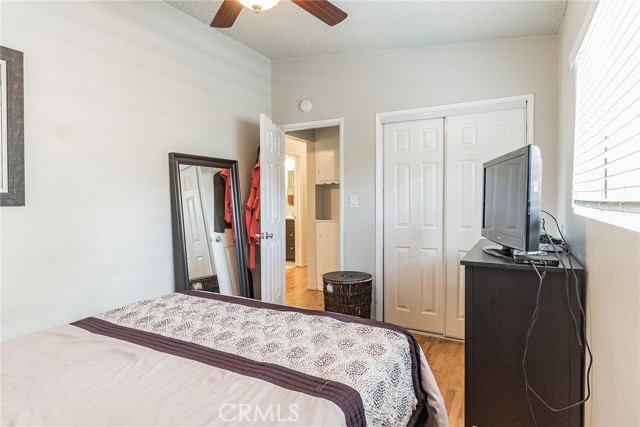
(607, 129)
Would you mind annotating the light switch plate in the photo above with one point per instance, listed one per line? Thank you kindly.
(353, 201)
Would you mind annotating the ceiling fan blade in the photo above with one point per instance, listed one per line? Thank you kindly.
(227, 14)
(323, 10)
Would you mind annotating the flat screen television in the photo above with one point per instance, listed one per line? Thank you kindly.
(511, 201)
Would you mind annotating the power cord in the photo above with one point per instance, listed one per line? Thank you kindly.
(548, 243)
(534, 319)
(567, 285)
(582, 312)
(581, 336)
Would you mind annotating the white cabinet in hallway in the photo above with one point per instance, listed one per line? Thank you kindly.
(327, 248)
(326, 167)
(327, 149)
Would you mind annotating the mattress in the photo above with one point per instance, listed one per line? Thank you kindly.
(199, 358)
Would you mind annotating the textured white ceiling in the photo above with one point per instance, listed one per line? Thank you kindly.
(288, 31)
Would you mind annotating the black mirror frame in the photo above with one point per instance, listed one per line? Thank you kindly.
(15, 127)
(179, 248)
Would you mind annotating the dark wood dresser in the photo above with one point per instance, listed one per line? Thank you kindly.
(500, 299)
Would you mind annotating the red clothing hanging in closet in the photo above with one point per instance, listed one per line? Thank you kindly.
(253, 214)
(228, 208)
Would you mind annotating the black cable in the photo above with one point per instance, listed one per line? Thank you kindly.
(567, 285)
(584, 316)
(584, 343)
(561, 236)
(534, 319)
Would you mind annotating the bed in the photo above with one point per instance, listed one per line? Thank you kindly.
(198, 358)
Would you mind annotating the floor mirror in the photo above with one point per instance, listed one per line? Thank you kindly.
(209, 244)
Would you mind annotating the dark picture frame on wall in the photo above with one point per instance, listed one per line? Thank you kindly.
(11, 128)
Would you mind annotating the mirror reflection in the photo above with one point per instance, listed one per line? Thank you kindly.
(289, 165)
(209, 240)
(208, 235)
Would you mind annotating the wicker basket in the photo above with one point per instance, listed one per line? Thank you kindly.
(348, 292)
(209, 284)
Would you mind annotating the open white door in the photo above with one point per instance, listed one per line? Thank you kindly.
(272, 212)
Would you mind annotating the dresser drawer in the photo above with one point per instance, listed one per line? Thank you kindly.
(290, 238)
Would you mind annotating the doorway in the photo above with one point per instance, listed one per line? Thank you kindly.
(313, 206)
(429, 192)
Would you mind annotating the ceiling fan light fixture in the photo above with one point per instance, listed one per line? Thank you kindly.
(258, 5)
(321, 9)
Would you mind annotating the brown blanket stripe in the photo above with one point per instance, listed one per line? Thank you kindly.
(414, 347)
(345, 397)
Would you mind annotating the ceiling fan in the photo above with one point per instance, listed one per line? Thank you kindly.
(321, 9)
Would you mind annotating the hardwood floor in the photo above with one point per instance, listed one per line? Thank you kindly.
(445, 357)
(297, 293)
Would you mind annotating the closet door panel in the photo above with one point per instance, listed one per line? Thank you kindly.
(413, 224)
(472, 139)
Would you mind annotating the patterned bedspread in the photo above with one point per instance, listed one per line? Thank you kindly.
(374, 372)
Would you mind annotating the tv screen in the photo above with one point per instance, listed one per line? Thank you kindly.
(511, 208)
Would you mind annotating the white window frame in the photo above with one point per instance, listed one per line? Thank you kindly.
(603, 211)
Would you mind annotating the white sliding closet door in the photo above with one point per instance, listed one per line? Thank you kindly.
(413, 226)
(472, 139)
(432, 207)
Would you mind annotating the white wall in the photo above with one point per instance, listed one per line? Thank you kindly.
(110, 89)
(356, 87)
(612, 259)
